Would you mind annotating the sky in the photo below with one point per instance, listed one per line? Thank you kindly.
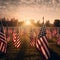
(30, 9)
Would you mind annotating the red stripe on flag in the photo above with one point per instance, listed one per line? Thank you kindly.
(44, 46)
(45, 39)
(1, 44)
(40, 48)
(16, 39)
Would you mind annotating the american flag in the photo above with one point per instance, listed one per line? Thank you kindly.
(3, 43)
(42, 44)
(16, 38)
(7, 34)
(32, 38)
(54, 32)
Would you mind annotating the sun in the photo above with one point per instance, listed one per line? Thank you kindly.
(27, 22)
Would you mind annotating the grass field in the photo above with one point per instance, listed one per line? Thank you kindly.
(27, 52)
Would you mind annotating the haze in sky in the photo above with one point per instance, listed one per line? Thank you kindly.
(30, 9)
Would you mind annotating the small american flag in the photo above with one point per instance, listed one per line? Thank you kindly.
(32, 38)
(3, 43)
(42, 44)
(54, 32)
(16, 39)
(7, 34)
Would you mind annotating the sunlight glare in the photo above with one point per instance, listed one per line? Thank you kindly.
(27, 22)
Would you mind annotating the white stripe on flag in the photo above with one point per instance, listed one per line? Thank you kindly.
(41, 39)
(45, 40)
(14, 40)
(1, 45)
(43, 51)
(17, 42)
(41, 48)
(18, 45)
(3, 48)
(38, 44)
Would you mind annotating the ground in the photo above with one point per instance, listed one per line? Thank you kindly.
(27, 52)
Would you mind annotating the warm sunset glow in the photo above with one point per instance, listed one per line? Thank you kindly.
(27, 22)
(30, 9)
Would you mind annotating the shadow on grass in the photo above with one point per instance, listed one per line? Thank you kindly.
(21, 53)
(54, 55)
(2, 55)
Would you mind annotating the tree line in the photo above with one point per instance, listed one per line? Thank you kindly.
(13, 22)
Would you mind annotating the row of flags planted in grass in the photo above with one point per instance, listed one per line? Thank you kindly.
(38, 40)
(50, 32)
(41, 43)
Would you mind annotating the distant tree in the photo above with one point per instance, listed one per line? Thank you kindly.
(38, 23)
(4, 21)
(47, 23)
(14, 22)
(57, 23)
(21, 23)
(33, 22)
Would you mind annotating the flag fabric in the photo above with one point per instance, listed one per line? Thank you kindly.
(16, 38)
(54, 32)
(32, 38)
(58, 40)
(42, 43)
(3, 43)
(58, 37)
(7, 34)
(48, 34)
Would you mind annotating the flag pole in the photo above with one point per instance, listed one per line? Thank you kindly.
(43, 19)
(2, 26)
(17, 27)
(6, 31)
